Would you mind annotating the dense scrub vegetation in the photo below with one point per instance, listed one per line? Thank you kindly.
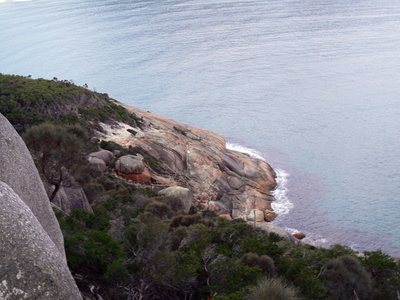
(138, 245)
(135, 247)
(26, 102)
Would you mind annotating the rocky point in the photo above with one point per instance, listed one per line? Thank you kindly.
(225, 181)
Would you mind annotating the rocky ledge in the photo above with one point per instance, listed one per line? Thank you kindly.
(222, 180)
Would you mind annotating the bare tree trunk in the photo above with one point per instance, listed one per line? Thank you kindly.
(54, 193)
(355, 294)
(57, 185)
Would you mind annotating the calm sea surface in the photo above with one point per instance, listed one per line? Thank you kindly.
(311, 86)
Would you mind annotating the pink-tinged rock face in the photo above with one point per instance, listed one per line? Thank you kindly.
(222, 180)
(144, 177)
(228, 217)
(299, 235)
(269, 215)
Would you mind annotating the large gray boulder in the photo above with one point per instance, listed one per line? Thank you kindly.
(181, 193)
(98, 164)
(104, 155)
(130, 164)
(18, 170)
(31, 265)
(100, 159)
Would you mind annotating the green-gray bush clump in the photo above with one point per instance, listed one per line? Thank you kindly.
(272, 289)
(347, 279)
(26, 102)
(264, 262)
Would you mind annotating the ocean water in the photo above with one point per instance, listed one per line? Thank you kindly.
(312, 87)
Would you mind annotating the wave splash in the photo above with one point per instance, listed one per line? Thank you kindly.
(282, 205)
(242, 149)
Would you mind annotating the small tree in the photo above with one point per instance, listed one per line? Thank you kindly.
(57, 149)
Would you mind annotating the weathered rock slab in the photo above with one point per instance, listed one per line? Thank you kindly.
(31, 266)
(18, 170)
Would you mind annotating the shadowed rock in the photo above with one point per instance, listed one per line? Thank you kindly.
(18, 170)
(31, 266)
(70, 196)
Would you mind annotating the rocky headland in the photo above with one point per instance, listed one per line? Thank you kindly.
(222, 180)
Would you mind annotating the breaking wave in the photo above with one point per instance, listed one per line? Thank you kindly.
(282, 205)
(243, 149)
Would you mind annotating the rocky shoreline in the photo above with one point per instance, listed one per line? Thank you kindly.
(230, 183)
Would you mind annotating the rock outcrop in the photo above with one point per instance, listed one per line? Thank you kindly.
(269, 215)
(31, 265)
(70, 196)
(18, 170)
(256, 214)
(132, 167)
(220, 179)
(130, 164)
(99, 160)
(181, 193)
(299, 235)
(104, 155)
(268, 228)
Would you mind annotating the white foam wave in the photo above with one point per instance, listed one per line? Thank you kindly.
(282, 205)
(243, 149)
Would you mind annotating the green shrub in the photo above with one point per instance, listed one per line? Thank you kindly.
(272, 289)
(181, 131)
(267, 265)
(133, 132)
(107, 181)
(347, 279)
(92, 191)
(250, 259)
(264, 262)
(92, 249)
(158, 209)
(176, 238)
(385, 273)
(227, 276)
